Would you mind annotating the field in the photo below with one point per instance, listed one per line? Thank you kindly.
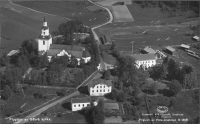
(19, 23)
(61, 113)
(69, 9)
(121, 14)
(111, 2)
(18, 103)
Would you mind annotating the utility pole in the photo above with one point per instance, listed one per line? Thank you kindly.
(132, 47)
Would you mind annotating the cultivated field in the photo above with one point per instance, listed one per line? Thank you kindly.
(111, 2)
(19, 23)
(69, 9)
(121, 14)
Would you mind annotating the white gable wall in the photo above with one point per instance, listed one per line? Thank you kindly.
(79, 106)
(100, 90)
(146, 63)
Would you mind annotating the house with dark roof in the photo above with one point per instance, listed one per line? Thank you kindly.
(144, 60)
(80, 103)
(45, 46)
(109, 60)
(99, 87)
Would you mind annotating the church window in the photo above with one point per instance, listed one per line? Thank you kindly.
(43, 42)
(44, 32)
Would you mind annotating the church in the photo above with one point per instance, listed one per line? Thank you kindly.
(45, 46)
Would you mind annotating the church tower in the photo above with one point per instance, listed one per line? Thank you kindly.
(45, 39)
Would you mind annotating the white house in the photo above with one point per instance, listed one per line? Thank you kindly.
(45, 46)
(145, 60)
(99, 87)
(80, 103)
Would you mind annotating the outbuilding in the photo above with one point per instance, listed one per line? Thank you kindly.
(171, 51)
(196, 38)
(184, 46)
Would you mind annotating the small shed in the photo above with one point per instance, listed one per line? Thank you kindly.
(184, 46)
(196, 38)
(171, 51)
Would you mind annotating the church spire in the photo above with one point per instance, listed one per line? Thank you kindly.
(44, 19)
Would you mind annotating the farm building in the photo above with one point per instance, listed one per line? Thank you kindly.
(106, 39)
(196, 38)
(185, 47)
(45, 46)
(159, 54)
(93, 8)
(171, 51)
(109, 60)
(99, 87)
(80, 103)
(148, 50)
(144, 60)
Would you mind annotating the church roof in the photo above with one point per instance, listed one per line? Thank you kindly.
(66, 47)
(95, 82)
(76, 51)
(53, 52)
(86, 54)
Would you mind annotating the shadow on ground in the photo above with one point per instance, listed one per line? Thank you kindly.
(165, 92)
(84, 90)
(67, 105)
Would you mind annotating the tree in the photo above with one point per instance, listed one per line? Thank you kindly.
(172, 69)
(158, 72)
(5, 60)
(153, 88)
(107, 75)
(175, 87)
(7, 92)
(114, 93)
(98, 113)
(73, 62)
(120, 96)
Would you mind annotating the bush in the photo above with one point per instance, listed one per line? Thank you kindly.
(175, 87)
(120, 96)
(59, 115)
(7, 92)
(153, 88)
(62, 92)
(38, 95)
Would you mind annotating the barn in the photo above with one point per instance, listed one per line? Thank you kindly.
(184, 46)
(171, 51)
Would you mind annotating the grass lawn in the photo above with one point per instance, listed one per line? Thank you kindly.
(69, 9)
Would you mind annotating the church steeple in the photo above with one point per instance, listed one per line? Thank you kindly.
(45, 39)
(44, 19)
(44, 22)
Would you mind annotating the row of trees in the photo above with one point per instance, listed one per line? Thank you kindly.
(68, 29)
(171, 70)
